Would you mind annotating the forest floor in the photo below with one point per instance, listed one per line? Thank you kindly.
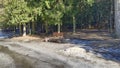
(85, 49)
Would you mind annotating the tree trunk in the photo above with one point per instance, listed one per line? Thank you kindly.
(24, 30)
(111, 18)
(59, 28)
(20, 29)
(33, 27)
(46, 27)
(117, 17)
(110, 24)
(89, 26)
(30, 31)
(14, 29)
(74, 25)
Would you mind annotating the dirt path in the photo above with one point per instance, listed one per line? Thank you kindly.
(31, 52)
(52, 55)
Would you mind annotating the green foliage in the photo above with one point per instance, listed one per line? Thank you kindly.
(17, 12)
(90, 2)
(52, 14)
(55, 12)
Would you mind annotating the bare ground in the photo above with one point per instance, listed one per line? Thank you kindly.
(57, 55)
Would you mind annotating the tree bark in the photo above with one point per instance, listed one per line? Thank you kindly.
(33, 27)
(117, 17)
(30, 31)
(110, 29)
(74, 25)
(46, 27)
(20, 29)
(24, 30)
(59, 28)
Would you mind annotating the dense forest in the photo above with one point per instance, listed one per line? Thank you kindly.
(48, 16)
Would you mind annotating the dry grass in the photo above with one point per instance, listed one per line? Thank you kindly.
(22, 38)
